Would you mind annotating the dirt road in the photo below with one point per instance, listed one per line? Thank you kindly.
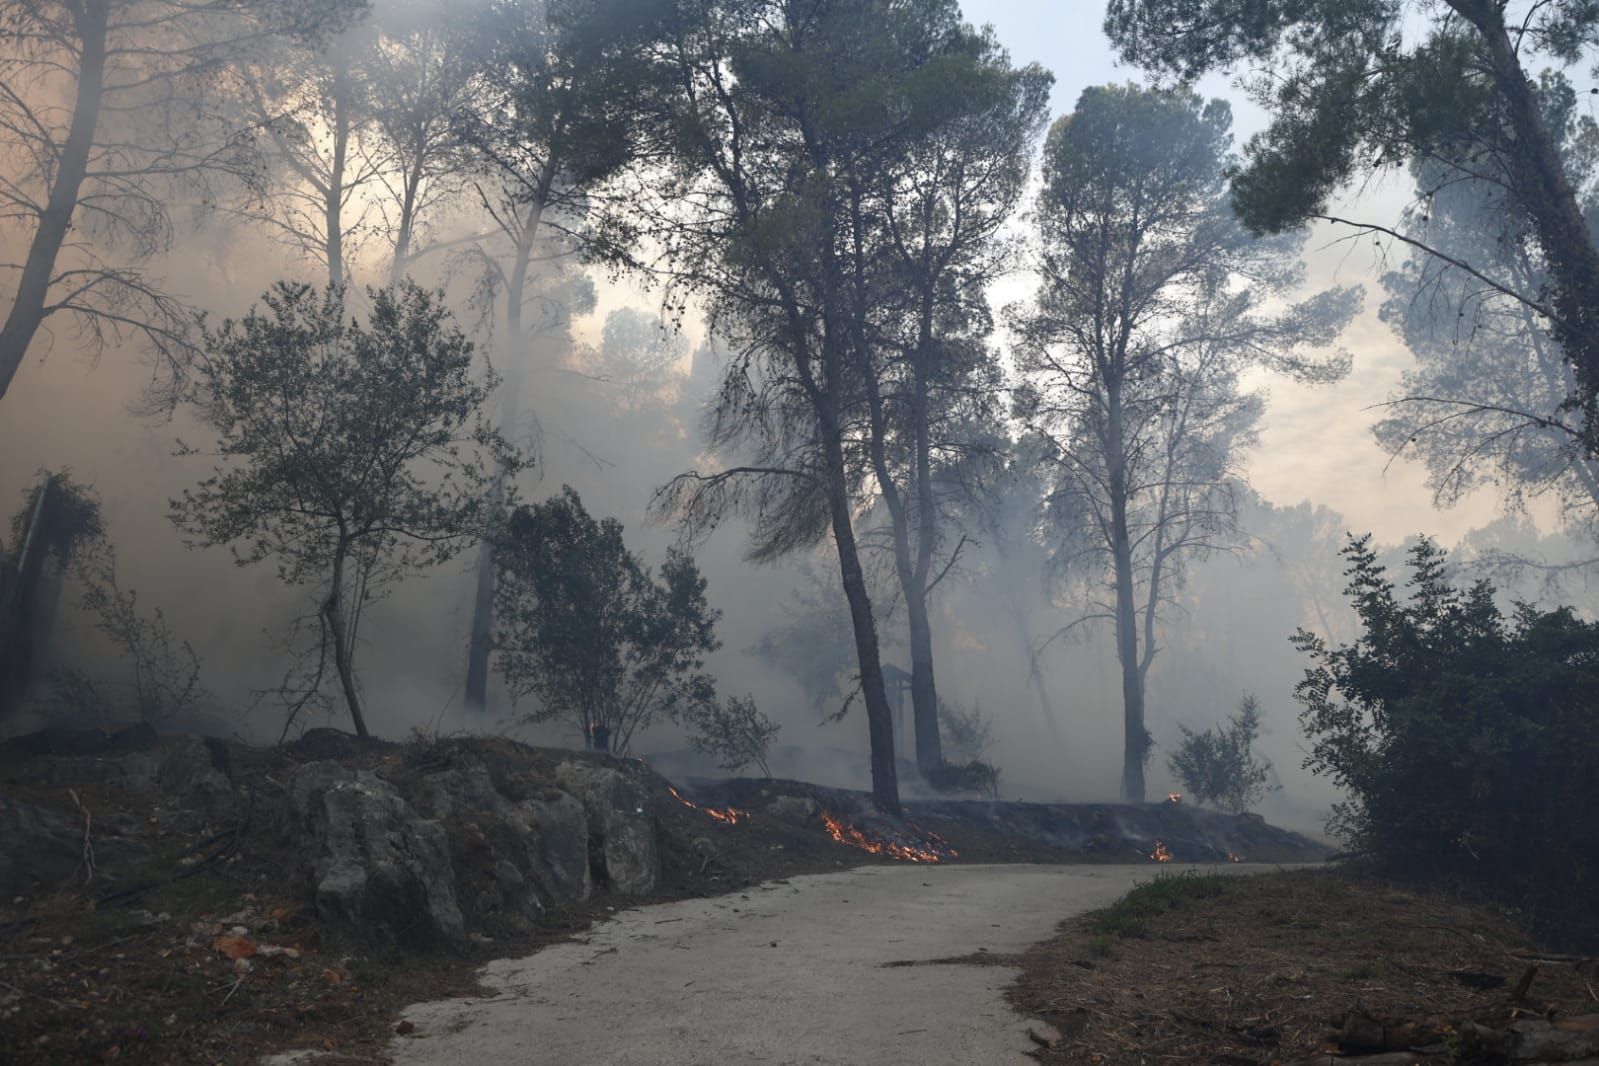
(787, 973)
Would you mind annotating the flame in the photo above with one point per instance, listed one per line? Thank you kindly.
(1174, 797)
(1161, 852)
(730, 816)
(1234, 858)
(934, 848)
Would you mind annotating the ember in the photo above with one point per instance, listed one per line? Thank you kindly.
(730, 816)
(931, 849)
(1174, 797)
(1161, 852)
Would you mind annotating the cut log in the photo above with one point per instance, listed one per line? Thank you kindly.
(1562, 1040)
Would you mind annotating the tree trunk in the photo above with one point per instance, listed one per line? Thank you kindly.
(343, 655)
(924, 693)
(1035, 676)
(912, 574)
(481, 641)
(333, 199)
(27, 308)
(1540, 182)
(1135, 737)
(402, 236)
(879, 718)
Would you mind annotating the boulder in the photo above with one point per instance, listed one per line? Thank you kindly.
(621, 819)
(796, 809)
(378, 867)
(562, 866)
(45, 846)
(545, 840)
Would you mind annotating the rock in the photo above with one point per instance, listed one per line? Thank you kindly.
(378, 867)
(328, 743)
(45, 845)
(544, 839)
(798, 809)
(197, 772)
(622, 829)
(562, 869)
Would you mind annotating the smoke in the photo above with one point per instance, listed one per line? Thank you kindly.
(1057, 735)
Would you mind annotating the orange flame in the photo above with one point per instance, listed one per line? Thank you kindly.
(935, 849)
(1161, 852)
(730, 816)
(1174, 797)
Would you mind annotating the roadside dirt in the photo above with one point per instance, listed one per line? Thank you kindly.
(1263, 969)
(142, 968)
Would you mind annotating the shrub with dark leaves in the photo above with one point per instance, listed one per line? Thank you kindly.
(1467, 741)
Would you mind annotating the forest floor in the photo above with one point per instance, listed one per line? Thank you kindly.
(94, 968)
(1269, 969)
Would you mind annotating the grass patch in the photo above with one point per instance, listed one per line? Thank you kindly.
(1130, 915)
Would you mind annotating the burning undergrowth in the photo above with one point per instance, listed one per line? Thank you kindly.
(1008, 831)
(908, 843)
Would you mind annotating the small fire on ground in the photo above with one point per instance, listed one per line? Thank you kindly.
(1174, 797)
(931, 849)
(729, 816)
(1161, 852)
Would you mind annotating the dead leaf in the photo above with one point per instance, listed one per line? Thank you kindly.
(332, 977)
(405, 1028)
(234, 947)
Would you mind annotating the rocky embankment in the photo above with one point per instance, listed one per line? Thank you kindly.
(413, 844)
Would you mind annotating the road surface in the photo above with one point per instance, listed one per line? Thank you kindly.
(786, 973)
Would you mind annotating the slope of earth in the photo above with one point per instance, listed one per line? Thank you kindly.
(1009, 831)
(1297, 967)
(172, 899)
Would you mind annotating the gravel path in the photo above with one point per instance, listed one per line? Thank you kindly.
(786, 973)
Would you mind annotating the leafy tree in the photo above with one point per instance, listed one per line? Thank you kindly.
(926, 241)
(784, 116)
(422, 72)
(1219, 766)
(813, 646)
(604, 644)
(1466, 740)
(733, 732)
(348, 455)
(555, 112)
(315, 103)
(638, 354)
(107, 108)
(1485, 402)
(1354, 87)
(1154, 303)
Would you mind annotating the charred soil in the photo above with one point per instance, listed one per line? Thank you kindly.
(175, 919)
(1295, 967)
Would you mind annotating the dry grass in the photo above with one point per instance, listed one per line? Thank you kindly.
(1260, 969)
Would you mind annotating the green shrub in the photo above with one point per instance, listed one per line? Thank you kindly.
(1219, 767)
(1467, 741)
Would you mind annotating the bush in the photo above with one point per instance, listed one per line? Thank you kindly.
(1218, 766)
(967, 736)
(1468, 742)
(734, 732)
